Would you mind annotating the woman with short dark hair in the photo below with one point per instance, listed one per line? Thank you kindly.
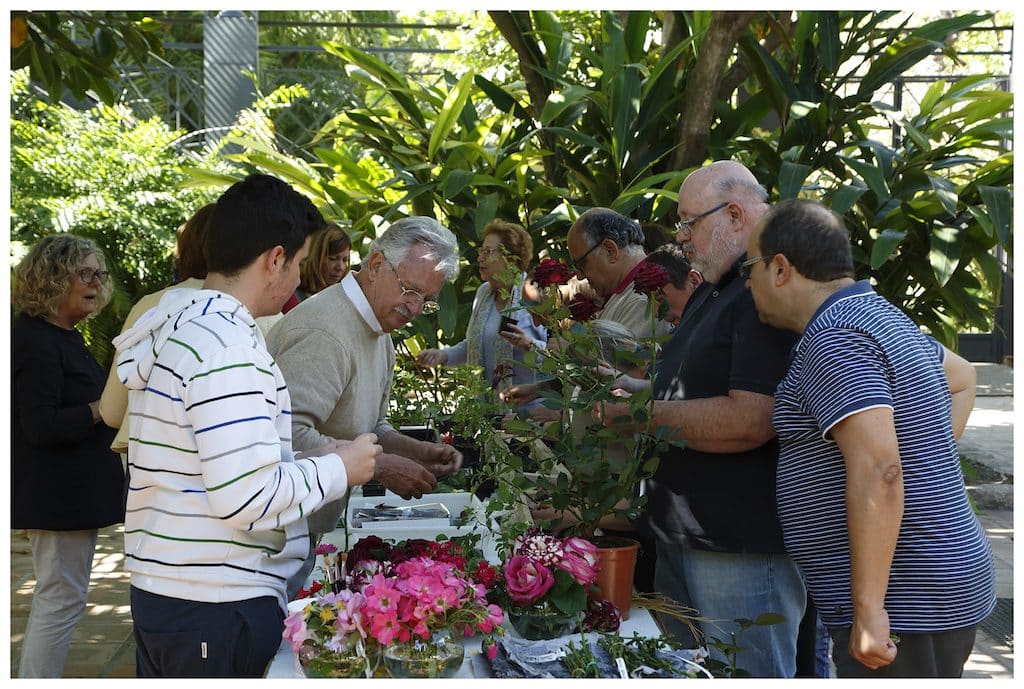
(66, 483)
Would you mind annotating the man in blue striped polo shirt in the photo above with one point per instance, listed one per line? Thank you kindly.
(870, 493)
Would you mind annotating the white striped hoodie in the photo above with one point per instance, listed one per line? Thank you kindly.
(216, 502)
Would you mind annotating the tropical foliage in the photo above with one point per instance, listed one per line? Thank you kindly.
(102, 175)
(619, 123)
(614, 108)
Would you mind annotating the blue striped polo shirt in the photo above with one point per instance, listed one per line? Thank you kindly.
(859, 352)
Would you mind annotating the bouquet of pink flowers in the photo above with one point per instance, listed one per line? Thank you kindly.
(547, 577)
(424, 589)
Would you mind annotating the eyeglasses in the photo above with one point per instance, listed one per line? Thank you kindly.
(87, 275)
(489, 251)
(745, 267)
(688, 223)
(427, 306)
(577, 263)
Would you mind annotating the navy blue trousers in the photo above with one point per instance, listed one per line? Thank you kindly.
(182, 638)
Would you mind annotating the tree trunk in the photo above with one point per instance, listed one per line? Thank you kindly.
(702, 87)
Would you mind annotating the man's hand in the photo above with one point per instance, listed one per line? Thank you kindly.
(441, 459)
(360, 458)
(432, 357)
(605, 413)
(521, 394)
(870, 644)
(404, 477)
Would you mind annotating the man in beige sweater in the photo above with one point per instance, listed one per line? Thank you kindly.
(335, 351)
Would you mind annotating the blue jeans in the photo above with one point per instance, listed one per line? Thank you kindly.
(725, 587)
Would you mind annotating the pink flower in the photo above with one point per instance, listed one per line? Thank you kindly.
(583, 548)
(542, 548)
(582, 572)
(527, 581)
(490, 649)
(326, 549)
(295, 631)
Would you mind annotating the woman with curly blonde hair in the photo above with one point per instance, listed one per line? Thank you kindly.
(66, 483)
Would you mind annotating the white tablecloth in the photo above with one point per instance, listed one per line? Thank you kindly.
(285, 667)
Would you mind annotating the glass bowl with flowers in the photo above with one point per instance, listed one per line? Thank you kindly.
(420, 599)
(544, 584)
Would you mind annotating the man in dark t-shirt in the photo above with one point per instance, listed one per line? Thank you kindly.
(712, 504)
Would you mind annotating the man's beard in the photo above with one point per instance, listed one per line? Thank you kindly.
(719, 257)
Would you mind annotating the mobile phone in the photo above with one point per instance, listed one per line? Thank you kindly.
(506, 321)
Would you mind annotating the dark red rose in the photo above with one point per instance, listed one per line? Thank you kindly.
(583, 308)
(501, 373)
(368, 548)
(551, 272)
(485, 574)
(649, 278)
(601, 615)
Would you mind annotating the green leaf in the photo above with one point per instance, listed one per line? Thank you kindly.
(447, 315)
(486, 210)
(946, 192)
(449, 114)
(944, 255)
(791, 179)
(883, 247)
(997, 203)
(842, 198)
(871, 175)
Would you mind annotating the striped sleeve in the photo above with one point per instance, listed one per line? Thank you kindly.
(232, 402)
(844, 374)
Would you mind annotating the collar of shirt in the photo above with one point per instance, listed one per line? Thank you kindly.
(628, 280)
(355, 293)
(859, 288)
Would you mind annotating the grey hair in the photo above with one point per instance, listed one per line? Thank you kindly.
(599, 224)
(405, 233)
(729, 185)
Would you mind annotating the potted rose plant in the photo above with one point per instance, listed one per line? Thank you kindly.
(587, 475)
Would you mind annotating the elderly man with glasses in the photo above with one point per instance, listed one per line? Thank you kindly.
(608, 248)
(336, 353)
(712, 503)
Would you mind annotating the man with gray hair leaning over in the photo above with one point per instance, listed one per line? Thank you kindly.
(335, 351)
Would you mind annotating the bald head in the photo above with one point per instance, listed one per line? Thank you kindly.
(719, 206)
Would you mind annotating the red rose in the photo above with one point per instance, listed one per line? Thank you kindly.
(583, 308)
(551, 272)
(501, 373)
(485, 574)
(649, 278)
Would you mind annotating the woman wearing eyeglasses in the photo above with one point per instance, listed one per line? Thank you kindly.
(66, 483)
(499, 330)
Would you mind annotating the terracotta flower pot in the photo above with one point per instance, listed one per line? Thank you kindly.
(616, 560)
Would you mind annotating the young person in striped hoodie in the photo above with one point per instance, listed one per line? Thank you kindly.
(217, 502)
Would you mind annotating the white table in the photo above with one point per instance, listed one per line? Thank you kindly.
(284, 665)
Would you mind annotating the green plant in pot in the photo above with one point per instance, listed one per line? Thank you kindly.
(586, 475)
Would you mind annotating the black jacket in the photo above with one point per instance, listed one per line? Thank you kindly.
(64, 476)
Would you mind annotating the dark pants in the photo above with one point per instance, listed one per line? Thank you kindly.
(941, 654)
(182, 638)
